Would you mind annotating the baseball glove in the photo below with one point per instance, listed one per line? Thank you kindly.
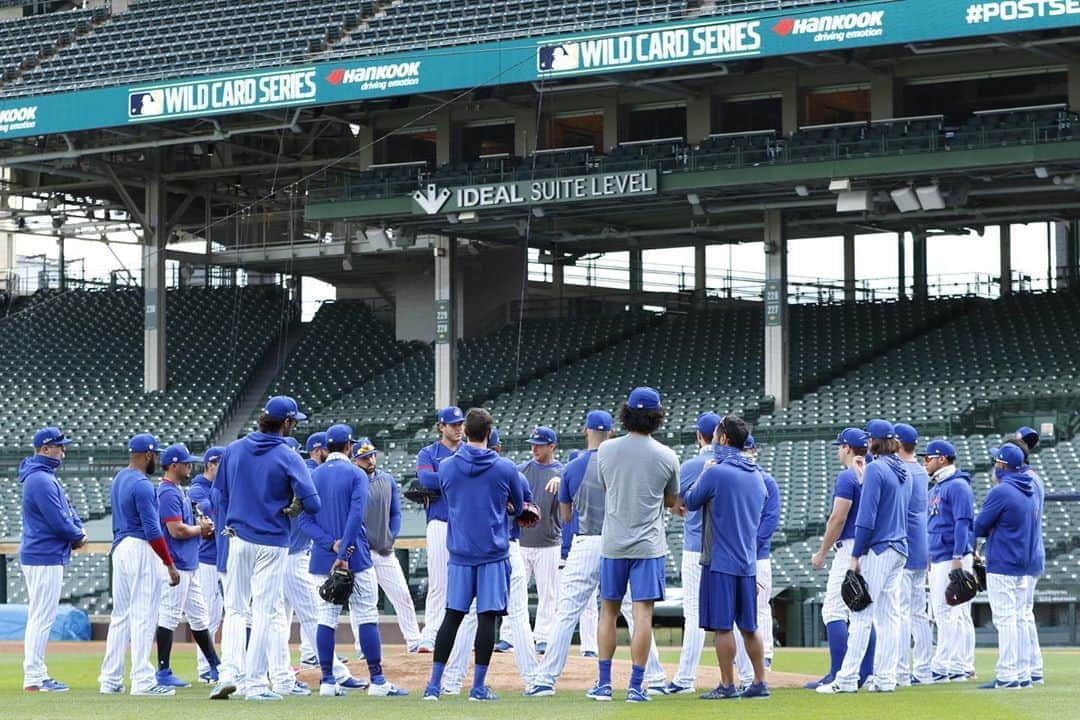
(854, 591)
(338, 587)
(978, 568)
(529, 517)
(962, 587)
(420, 494)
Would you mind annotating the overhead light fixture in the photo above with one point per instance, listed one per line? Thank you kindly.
(354, 129)
(905, 200)
(853, 201)
(840, 185)
(468, 216)
(1041, 172)
(538, 212)
(695, 204)
(930, 197)
(802, 191)
(1065, 180)
(346, 264)
(197, 149)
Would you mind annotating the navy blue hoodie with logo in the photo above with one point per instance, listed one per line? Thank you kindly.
(1009, 520)
(50, 523)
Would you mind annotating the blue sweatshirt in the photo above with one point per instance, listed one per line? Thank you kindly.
(1038, 558)
(689, 472)
(50, 523)
(477, 484)
(174, 504)
(298, 539)
(199, 492)
(734, 491)
(848, 487)
(343, 488)
(263, 474)
(134, 507)
(770, 516)
(950, 512)
(918, 552)
(882, 519)
(526, 496)
(428, 460)
(1009, 522)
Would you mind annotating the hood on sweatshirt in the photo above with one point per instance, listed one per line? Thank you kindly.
(1021, 480)
(35, 463)
(897, 466)
(477, 459)
(740, 461)
(261, 443)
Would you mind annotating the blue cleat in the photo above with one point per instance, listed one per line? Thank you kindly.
(222, 691)
(721, 692)
(482, 694)
(431, 693)
(540, 691)
(210, 677)
(541, 648)
(352, 683)
(673, 689)
(48, 685)
(600, 692)
(589, 654)
(996, 684)
(633, 695)
(827, 680)
(264, 696)
(756, 690)
(503, 647)
(166, 678)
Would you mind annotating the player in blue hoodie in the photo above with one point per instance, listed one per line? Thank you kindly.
(1009, 522)
(479, 489)
(340, 542)
(914, 667)
(1032, 671)
(260, 479)
(51, 528)
(950, 512)
(209, 580)
(879, 554)
(733, 494)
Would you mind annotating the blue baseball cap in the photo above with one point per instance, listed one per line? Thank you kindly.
(143, 442)
(940, 448)
(283, 407)
(213, 454)
(339, 434)
(706, 424)
(906, 434)
(599, 420)
(543, 436)
(1028, 435)
(574, 455)
(852, 437)
(293, 444)
(1012, 456)
(880, 430)
(493, 440)
(451, 415)
(176, 453)
(644, 398)
(50, 436)
(363, 448)
(315, 441)
(750, 443)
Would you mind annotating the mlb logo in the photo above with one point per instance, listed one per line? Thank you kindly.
(146, 104)
(553, 58)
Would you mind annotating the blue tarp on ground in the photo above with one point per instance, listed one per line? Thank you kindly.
(71, 623)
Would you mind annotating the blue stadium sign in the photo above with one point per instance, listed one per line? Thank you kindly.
(694, 41)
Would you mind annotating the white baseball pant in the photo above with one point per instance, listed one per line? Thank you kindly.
(693, 641)
(587, 625)
(43, 585)
(1028, 626)
(210, 584)
(301, 597)
(1008, 595)
(763, 580)
(516, 620)
(185, 599)
(253, 587)
(883, 578)
(138, 575)
(542, 567)
(282, 677)
(913, 608)
(580, 579)
(438, 558)
(950, 655)
(833, 607)
(392, 581)
(363, 603)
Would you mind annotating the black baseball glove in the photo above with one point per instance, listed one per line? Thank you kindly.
(420, 494)
(529, 517)
(962, 587)
(338, 587)
(978, 568)
(854, 591)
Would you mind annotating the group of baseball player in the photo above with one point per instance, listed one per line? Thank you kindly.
(261, 534)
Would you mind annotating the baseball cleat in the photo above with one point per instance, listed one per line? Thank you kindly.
(600, 692)
(352, 683)
(541, 648)
(386, 689)
(47, 685)
(483, 694)
(264, 696)
(673, 689)
(540, 691)
(309, 662)
(431, 693)
(209, 677)
(657, 689)
(166, 678)
(107, 689)
(937, 678)
(412, 647)
(815, 684)
(996, 684)
(721, 692)
(633, 695)
(222, 691)
(155, 691)
(298, 689)
(755, 690)
(426, 647)
(589, 654)
(331, 690)
(959, 677)
(502, 647)
(834, 688)
(1037, 680)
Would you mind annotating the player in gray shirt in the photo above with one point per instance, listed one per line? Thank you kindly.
(640, 478)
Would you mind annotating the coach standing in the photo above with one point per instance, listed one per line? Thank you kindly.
(261, 476)
(136, 576)
(914, 669)
(51, 528)
(541, 545)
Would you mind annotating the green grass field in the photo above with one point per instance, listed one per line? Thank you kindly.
(1059, 699)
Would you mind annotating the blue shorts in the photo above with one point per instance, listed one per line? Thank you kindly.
(489, 584)
(727, 600)
(645, 577)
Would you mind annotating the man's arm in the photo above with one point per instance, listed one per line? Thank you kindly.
(55, 509)
(303, 488)
(770, 514)
(700, 492)
(357, 508)
(988, 515)
(517, 496)
(835, 525)
(313, 530)
(671, 489)
(395, 508)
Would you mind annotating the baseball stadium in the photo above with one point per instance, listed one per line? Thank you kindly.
(701, 311)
